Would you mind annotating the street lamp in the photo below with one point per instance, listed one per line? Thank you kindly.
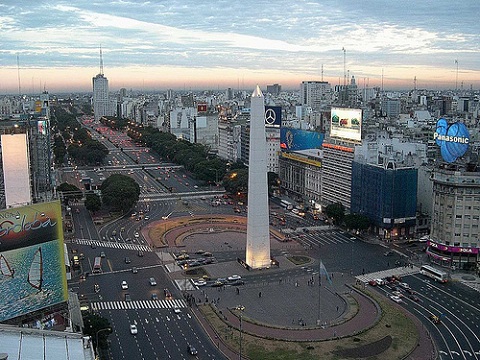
(185, 268)
(96, 337)
(216, 175)
(240, 308)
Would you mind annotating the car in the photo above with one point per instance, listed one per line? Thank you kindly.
(234, 278)
(200, 282)
(102, 254)
(396, 299)
(134, 270)
(124, 285)
(372, 283)
(380, 282)
(199, 252)
(404, 285)
(414, 298)
(191, 350)
(397, 293)
(154, 296)
(128, 297)
(183, 257)
(217, 284)
(93, 246)
(152, 281)
(140, 253)
(177, 310)
(137, 235)
(388, 253)
(435, 319)
(207, 253)
(133, 329)
(237, 283)
(147, 217)
(127, 260)
(167, 293)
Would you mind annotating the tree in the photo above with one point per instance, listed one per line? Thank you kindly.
(93, 202)
(93, 324)
(236, 181)
(336, 212)
(356, 222)
(120, 192)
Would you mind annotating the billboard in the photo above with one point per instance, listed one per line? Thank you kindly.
(346, 123)
(453, 139)
(298, 139)
(273, 116)
(16, 169)
(32, 263)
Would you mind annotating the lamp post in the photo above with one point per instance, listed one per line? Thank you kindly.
(96, 337)
(216, 174)
(185, 268)
(240, 308)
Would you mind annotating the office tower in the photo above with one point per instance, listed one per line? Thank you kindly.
(315, 94)
(101, 103)
(258, 233)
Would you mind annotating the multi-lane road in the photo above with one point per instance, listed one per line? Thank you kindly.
(164, 332)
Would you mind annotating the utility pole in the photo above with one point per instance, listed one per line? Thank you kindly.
(456, 76)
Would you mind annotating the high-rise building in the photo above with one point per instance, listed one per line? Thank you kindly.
(315, 94)
(258, 232)
(101, 101)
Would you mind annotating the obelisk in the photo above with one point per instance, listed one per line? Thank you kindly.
(258, 232)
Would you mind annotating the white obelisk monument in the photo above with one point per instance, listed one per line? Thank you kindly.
(258, 232)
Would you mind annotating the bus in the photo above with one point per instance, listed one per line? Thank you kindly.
(286, 204)
(437, 275)
(97, 265)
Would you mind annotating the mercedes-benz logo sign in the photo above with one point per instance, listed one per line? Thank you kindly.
(270, 116)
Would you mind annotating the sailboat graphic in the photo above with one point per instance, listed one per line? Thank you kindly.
(35, 274)
(5, 268)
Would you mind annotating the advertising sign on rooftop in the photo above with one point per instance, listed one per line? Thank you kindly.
(273, 116)
(32, 262)
(453, 139)
(346, 123)
(298, 139)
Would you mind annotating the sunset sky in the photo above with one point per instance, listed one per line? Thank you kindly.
(195, 44)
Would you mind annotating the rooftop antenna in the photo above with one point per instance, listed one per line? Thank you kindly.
(18, 73)
(415, 83)
(101, 61)
(322, 72)
(344, 67)
(456, 76)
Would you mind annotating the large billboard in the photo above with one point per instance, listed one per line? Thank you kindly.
(453, 139)
(16, 169)
(298, 139)
(346, 123)
(273, 116)
(32, 263)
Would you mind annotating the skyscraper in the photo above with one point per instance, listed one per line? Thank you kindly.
(101, 103)
(258, 232)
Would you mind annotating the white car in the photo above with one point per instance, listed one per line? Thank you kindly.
(396, 299)
(137, 235)
(133, 329)
(177, 311)
(234, 278)
(380, 282)
(124, 285)
(153, 282)
(200, 282)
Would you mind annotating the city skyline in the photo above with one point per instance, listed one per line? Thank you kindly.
(190, 45)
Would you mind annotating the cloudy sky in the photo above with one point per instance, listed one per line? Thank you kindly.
(196, 44)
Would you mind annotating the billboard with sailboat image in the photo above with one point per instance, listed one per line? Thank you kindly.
(32, 264)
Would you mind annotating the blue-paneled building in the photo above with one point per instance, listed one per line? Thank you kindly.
(387, 196)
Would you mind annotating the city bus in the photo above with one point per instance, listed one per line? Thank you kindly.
(97, 265)
(437, 275)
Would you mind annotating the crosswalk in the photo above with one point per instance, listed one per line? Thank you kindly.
(317, 238)
(138, 304)
(115, 245)
(399, 271)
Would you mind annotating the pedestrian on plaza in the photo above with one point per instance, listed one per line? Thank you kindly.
(260, 294)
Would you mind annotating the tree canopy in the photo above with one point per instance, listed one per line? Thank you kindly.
(120, 192)
(69, 191)
(336, 212)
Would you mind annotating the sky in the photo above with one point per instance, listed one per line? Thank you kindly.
(195, 44)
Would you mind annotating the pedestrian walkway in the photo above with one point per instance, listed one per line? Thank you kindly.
(399, 271)
(139, 304)
(114, 245)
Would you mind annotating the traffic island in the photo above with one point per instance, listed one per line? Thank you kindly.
(390, 335)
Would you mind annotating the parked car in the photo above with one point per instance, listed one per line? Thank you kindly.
(152, 281)
(124, 285)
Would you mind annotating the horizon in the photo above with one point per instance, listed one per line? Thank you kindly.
(184, 45)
